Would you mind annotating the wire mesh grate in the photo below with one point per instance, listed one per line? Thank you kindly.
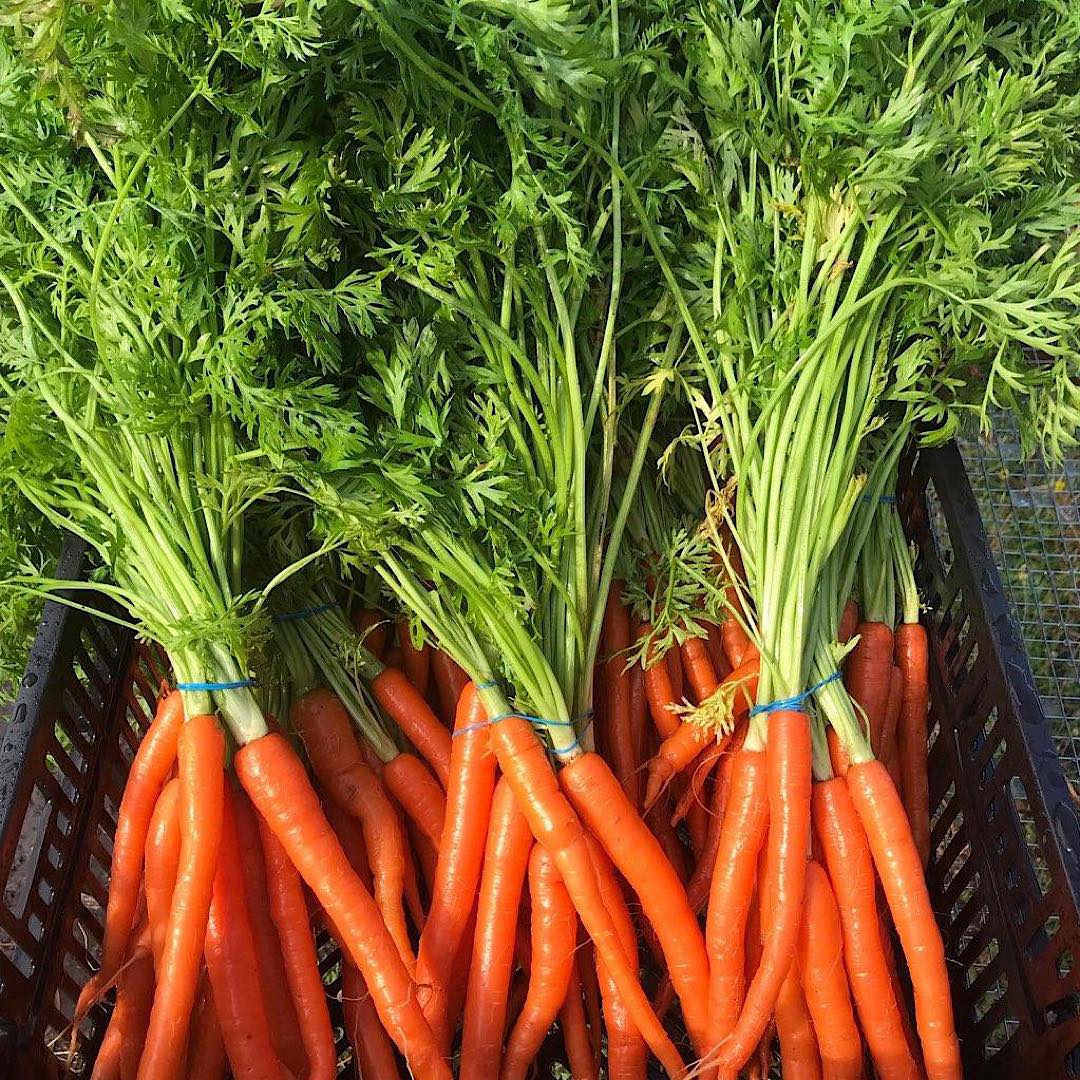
(1032, 518)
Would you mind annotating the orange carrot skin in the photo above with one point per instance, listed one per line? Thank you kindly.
(736, 642)
(161, 865)
(890, 754)
(575, 1031)
(288, 910)
(697, 781)
(395, 659)
(900, 871)
(416, 661)
(679, 749)
(285, 1033)
(849, 622)
(618, 737)
(700, 881)
(201, 754)
(134, 998)
(867, 675)
(418, 793)
(450, 680)
(276, 782)
(659, 689)
(824, 981)
(506, 860)
(460, 859)
(626, 1057)
(715, 644)
(658, 819)
(742, 833)
(555, 825)
(232, 963)
(798, 1043)
(913, 659)
(371, 625)
(609, 815)
(338, 762)
(206, 1054)
(553, 933)
(698, 668)
(406, 706)
(787, 759)
(640, 736)
(151, 766)
(851, 872)
(371, 1045)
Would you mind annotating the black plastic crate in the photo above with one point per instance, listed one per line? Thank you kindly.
(1005, 864)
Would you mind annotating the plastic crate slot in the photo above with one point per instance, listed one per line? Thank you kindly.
(1064, 963)
(962, 905)
(938, 527)
(1063, 1010)
(988, 997)
(942, 805)
(1042, 937)
(985, 957)
(991, 762)
(998, 1037)
(1029, 832)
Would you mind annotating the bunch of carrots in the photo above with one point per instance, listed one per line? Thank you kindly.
(492, 411)
(461, 839)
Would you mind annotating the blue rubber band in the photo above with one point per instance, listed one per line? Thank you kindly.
(304, 613)
(794, 704)
(887, 500)
(487, 685)
(587, 715)
(238, 684)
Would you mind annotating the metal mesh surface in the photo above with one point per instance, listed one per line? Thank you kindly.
(1032, 519)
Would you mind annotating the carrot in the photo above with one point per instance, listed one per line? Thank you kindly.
(697, 827)
(673, 659)
(107, 1061)
(849, 622)
(851, 871)
(798, 1044)
(697, 887)
(640, 735)
(506, 859)
(868, 674)
(912, 657)
(416, 661)
(787, 759)
(715, 645)
(394, 658)
(161, 865)
(555, 825)
(698, 669)
(604, 808)
(372, 1048)
(658, 819)
(151, 766)
(405, 705)
(679, 749)
(285, 1033)
(732, 891)
(590, 992)
(700, 772)
(288, 910)
(134, 999)
(890, 755)
(575, 1031)
(618, 736)
(232, 962)
(201, 754)
(838, 755)
(900, 871)
(658, 688)
(460, 860)
(626, 1048)
(553, 933)
(206, 1053)
(824, 981)
(737, 644)
(459, 973)
(371, 626)
(274, 778)
(450, 680)
(418, 793)
(335, 755)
